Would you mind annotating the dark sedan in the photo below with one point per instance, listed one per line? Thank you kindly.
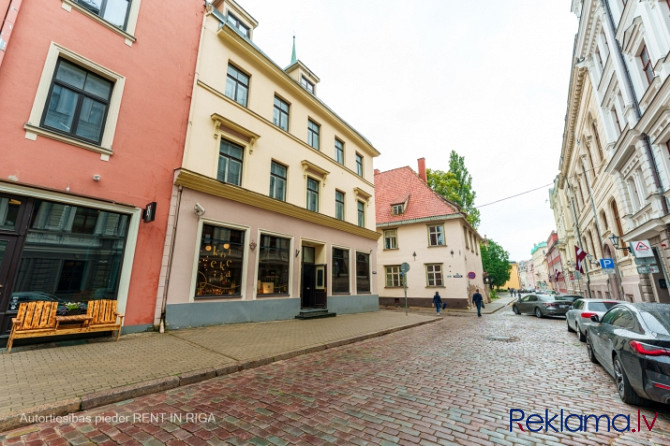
(541, 305)
(632, 343)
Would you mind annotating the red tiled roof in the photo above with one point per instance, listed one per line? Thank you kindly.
(396, 186)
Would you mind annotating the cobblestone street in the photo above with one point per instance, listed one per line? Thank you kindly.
(451, 382)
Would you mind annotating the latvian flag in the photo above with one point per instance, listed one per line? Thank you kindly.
(580, 256)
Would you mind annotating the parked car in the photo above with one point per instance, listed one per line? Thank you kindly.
(541, 305)
(578, 317)
(632, 343)
(33, 296)
(571, 297)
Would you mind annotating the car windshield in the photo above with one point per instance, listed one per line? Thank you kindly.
(658, 321)
(546, 298)
(601, 306)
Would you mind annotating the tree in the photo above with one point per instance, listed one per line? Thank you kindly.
(495, 261)
(456, 185)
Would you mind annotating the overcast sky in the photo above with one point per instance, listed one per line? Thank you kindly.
(486, 78)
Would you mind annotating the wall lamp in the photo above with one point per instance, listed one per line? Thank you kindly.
(199, 210)
(615, 241)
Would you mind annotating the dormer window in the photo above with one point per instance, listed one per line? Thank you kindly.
(307, 84)
(237, 24)
(397, 209)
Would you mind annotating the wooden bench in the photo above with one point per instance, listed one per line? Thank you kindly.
(39, 319)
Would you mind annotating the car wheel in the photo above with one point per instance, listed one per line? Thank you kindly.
(582, 336)
(569, 327)
(538, 312)
(589, 351)
(515, 309)
(626, 392)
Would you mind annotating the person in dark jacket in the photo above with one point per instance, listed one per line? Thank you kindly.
(437, 301)
(478, 300)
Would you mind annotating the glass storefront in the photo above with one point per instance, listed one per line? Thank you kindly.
(340, 271)
(71, 254)
(362, 272)
(273, 265)
(220, 263)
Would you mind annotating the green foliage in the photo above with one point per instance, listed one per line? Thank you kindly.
(456, 185)
(493, 294)
(495, 261)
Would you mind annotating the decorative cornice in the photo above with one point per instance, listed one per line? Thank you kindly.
(316, 170)
(211, 186)
(222, 124)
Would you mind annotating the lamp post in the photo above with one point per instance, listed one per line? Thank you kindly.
(615, 244)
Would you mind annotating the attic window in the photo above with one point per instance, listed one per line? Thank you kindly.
(307, 84)
(397, 209)
(237, 23)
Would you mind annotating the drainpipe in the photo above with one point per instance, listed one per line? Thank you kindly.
(161, 328)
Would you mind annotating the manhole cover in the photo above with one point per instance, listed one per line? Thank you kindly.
(503, 338)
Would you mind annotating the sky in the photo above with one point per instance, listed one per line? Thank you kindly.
(486, 78)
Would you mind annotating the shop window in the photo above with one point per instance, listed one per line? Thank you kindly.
(220, 263)
(273, 265)
(362, 272)
(340, 271)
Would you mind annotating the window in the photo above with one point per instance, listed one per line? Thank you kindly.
(339, 205)
(615, 118)
(237, 24)
(278, 181)
(112, 11)
(599, 58)
(313, 134)
(220, 262)
(307, 84)
(393, 277)
(78, 103)
(634, 195)
(359, 165)
(312, 194)
(362, 272)
(596, 135)
(434, 275)
(273, 265)
(339, 151)
(340, 271)
(361, 213)
(237, 85)
(436, 235)
(646, 64)
(280, 116)
(391, 239)
(397, 209)
(230, 163)
(85, 220)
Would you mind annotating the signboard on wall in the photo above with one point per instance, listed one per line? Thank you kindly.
(641, 248)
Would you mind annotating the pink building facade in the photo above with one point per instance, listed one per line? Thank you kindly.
(94, 102)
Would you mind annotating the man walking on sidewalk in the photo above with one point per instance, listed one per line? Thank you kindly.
(437, 301)
(478, 300)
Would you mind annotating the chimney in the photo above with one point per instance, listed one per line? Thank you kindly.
(422, 170)
(377, 172)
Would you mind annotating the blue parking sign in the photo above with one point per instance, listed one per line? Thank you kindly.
(607, 263)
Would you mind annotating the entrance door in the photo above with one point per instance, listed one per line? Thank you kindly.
(660, 282)
(7, 271)
(313, 286)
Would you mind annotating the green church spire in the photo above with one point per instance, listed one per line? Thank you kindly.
(294, 59)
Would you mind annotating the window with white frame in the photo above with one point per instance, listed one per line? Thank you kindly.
(645, 61)
(391, 239)
(230, 162)
(238, 24)
(78, 102)
(434, 275)
(237, 85)
(633, 192)
(393, 277)
(359, 164)
(397, 209)
(436, 235)
(115, 12)
(307, 85)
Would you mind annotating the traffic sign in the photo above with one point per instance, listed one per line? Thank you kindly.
(404, 267)
(645, 260)
(643, 270)
(607, 263)
(641, 248)
(471, 275)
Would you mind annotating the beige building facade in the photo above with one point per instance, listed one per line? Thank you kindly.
(273, 208)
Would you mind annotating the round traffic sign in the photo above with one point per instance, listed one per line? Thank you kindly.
(471, 275)
(404, 267)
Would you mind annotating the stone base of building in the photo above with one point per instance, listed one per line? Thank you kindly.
(427, 302)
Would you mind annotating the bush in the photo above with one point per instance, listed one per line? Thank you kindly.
(493, 294)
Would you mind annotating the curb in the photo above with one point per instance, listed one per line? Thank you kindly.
(46, 412)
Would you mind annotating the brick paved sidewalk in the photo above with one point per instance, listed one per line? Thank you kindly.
(59, 378)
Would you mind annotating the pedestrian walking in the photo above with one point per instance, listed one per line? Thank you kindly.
(478, 300)
(437, 301)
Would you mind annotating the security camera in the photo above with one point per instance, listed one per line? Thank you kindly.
(199, 210)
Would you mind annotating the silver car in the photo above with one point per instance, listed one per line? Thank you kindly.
(578, 317)
(541, 305)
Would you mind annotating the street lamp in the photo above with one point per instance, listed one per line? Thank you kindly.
(615, 241)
